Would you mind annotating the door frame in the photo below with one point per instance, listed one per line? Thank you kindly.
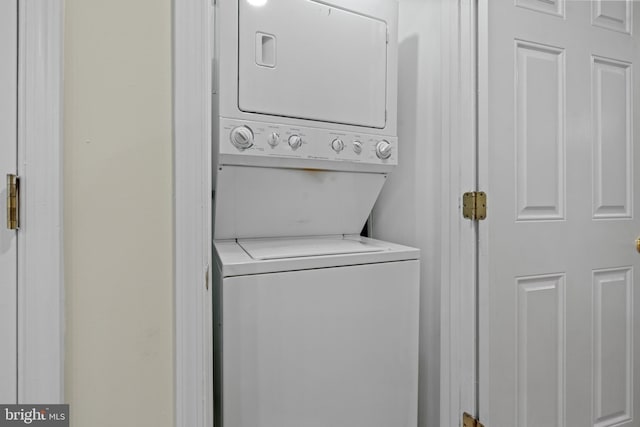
(40, 249)
(192, 186)
(482, 319)
(192, 123)
(459, 348)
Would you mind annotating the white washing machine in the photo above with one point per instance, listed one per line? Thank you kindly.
(316, 331)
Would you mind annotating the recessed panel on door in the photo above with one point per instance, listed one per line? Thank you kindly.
(310, 60)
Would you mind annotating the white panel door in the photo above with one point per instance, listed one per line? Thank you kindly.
(559, 303)
(8, 164)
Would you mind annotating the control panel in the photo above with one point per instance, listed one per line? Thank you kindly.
(278, 140)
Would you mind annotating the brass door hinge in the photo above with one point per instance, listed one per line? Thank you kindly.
(474, 205)
(13, 202)
(470, 421)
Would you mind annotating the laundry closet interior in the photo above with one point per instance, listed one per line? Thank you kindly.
(318, 304)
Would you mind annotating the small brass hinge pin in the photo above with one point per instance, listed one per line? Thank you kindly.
(13, 202)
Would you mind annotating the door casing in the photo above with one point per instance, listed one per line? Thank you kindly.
(40, 250)
(192, 117)
(460, 298)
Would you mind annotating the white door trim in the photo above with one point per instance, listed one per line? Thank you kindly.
(192, 30)
(40, 251)
(482, 153)
(458, 368)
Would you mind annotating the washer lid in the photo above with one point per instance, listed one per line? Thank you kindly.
(233, 259)
(265, 249)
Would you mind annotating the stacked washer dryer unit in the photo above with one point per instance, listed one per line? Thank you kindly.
(313, 324)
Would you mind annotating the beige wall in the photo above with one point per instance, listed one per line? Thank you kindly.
(118, 212)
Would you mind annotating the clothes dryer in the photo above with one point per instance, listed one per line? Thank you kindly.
(304, 114)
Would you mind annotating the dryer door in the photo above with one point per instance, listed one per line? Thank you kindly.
(308, 60)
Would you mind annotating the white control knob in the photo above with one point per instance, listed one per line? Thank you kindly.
(295, 141)
(242, 137)
(274, 139)
(383, 150)
(337, 145)
(357, 147)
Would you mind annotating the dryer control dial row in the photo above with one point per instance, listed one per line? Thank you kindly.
(281, 140)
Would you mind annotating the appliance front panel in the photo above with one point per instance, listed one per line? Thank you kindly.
(308, 60)
(328, 347)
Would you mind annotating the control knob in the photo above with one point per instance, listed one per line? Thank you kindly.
(295, 141)
(383, 150)
(337, 145)
(273, 139)
(242, 137)
(357, 147)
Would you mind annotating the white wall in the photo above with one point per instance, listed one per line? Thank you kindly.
(118, 213)
(408, 210)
